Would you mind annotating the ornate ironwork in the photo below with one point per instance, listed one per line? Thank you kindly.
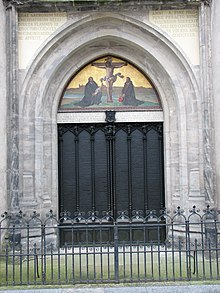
(120, 151)
(98, 245)
(110, 116)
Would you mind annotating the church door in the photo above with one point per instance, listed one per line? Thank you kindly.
(111, 167)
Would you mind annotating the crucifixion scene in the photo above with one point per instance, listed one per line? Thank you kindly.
(108, 83)
(110, 78)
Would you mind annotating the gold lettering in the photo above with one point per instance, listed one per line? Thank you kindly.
(36, 26)
(178, 23)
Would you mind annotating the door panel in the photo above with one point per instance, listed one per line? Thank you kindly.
(113, 167)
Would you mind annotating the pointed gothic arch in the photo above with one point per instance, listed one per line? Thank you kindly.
(72, 47)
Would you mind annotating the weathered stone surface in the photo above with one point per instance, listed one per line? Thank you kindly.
(114, 34)
(216, 91)
(184, 88)
(3, 113)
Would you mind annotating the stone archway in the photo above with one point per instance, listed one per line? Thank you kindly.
(77, 44)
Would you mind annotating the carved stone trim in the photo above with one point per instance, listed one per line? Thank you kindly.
(207, 2)
(10, 3)
(208, 142)
(12, 107)
(43, 5)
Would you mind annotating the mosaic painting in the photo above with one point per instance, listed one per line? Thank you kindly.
(109, 83)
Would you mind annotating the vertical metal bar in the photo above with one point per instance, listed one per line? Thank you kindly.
(114, 172)
(35, 263)
(145, 160)
(180, 260)
(73, 256)
(216, 250)
(172, 252)
(158, 259)
(108, 163)
(111, 175)
(196, 269)
(124, 259)
(131, 252)
(188, 250)
(6, 264)
(129, 170)
(108, 257)
(152, 261)
(44, 256)
(217, 257)
(166, 262)
(76, 132)
(60, 160)
(51, 263)
(138, 260)
(116, 264)
(80, 261)
(160, 155)
(101, 253)
(41, 257)
(94, 261)
(145, 254)
(28, 254)
(87, 255)
(92, 141)
(210, 258)
(203, 250)
(66, 262)
(13, 257)
(58, 263)
(158, 247)
(20, 265)
(217, 260)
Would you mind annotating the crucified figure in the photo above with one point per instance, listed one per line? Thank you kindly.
(110, 78)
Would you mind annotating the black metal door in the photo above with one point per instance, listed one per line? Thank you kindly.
(111, 167)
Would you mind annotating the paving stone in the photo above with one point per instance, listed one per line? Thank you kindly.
(126, 290)
(118, 289)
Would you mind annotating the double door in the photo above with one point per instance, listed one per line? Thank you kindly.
(111, 167)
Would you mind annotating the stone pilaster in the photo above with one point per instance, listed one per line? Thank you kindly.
(216, 89)
(3, 148)
(207, 101)
(12, 106)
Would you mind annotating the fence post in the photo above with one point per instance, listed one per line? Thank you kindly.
(43, 252)
(116, 252)
(188, 250)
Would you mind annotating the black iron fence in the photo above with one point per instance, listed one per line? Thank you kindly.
(100, 249)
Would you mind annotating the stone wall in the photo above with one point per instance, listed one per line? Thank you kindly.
(183, 86)
(77, 44)
(216, 89)
(3, 113)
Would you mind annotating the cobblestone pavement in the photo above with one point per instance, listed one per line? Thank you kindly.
(118, 289)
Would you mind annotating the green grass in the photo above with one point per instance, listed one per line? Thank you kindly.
(90, 266)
